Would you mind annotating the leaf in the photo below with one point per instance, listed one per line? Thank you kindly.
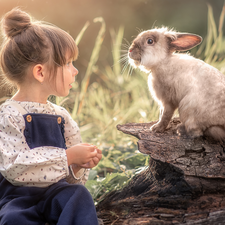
(80, 35)
(93, 60)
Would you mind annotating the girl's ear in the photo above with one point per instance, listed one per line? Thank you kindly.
(184, 42)
(38, 72)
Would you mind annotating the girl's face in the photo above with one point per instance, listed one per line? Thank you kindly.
(65, 77)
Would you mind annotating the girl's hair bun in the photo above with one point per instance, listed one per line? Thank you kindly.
(15, 22)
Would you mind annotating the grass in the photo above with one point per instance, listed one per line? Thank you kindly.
(118, 98)
(212, 49)
(112, 95)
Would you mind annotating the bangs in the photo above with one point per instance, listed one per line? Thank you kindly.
(70, 52)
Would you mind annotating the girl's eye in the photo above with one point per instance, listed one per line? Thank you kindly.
(150, 41)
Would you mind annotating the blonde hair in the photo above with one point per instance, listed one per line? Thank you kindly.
(28, 43)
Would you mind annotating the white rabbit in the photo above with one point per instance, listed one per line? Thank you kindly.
(181, 81)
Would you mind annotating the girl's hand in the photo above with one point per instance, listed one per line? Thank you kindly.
(94, 161)
(82, 154)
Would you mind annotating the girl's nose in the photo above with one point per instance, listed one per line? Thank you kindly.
(75, 71)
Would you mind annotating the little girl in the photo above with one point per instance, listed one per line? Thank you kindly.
(40, 144)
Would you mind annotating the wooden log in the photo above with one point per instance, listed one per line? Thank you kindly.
(184, 183)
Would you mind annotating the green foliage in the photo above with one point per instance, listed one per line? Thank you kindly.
(119, 98)
(108, 96)
(115, 170)
(111, 95)
(114, 96)
(212, 49)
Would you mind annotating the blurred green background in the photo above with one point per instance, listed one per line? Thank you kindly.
(134, 15)
(107, 92)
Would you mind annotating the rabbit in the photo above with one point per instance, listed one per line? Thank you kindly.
(180, 81)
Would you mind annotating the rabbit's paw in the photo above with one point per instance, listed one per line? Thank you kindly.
(158, 128)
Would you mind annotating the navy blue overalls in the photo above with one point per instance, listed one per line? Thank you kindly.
(60, 203)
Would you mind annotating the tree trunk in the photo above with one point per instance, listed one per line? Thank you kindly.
(184, 183)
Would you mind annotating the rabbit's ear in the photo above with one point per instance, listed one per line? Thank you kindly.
(184, 42)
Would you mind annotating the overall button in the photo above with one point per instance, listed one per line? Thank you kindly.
(29, 118)
(59, 120)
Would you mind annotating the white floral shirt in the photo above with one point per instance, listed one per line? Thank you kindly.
(41, 166)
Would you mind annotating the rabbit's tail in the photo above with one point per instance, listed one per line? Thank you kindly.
(216, 132)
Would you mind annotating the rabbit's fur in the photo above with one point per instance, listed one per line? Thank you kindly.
(181, 81)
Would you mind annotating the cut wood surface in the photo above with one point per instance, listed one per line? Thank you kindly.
(184, 183)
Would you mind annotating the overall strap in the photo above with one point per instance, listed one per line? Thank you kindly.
(16, 105)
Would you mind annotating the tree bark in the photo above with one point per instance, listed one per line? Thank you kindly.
(184, 183)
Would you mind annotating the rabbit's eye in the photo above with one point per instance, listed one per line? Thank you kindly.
(150, 41)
